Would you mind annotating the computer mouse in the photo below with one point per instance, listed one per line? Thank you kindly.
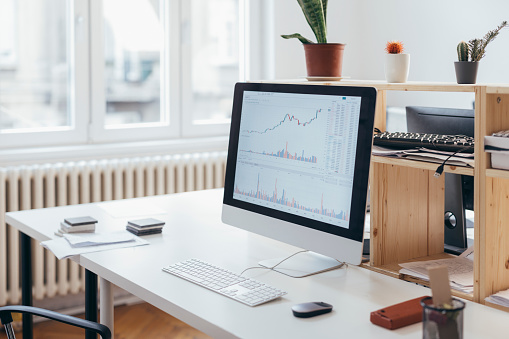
(311, 309)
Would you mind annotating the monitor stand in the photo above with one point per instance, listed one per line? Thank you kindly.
(303, 264)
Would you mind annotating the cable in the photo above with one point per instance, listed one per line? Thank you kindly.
(282, 261)
(440, 169)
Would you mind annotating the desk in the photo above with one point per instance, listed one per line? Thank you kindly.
(194, 229)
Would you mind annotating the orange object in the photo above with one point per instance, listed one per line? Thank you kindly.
(398, 315)
(394, 47)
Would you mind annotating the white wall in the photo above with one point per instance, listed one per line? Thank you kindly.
(430, 31)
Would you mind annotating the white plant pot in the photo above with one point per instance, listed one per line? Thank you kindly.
(397, 67)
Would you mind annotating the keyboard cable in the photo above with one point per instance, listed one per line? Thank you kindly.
(440, 169)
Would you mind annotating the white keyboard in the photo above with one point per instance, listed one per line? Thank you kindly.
(248, 291)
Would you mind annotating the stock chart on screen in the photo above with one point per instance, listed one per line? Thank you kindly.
(296, 153)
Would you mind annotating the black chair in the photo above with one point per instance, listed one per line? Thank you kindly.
(6, 318)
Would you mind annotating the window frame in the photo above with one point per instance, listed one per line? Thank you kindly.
(78, 100)
(87, 98)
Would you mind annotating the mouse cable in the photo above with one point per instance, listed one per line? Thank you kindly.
(283, 260)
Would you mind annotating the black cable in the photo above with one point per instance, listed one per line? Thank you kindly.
(440, 169)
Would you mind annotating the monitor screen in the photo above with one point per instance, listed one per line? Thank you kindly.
(298, 160)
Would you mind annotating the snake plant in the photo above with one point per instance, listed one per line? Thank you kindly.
(315, 12)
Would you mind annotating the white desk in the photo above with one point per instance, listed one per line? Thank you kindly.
(193, 229)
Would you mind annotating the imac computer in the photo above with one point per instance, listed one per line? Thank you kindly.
(459, 189)
(297, 169)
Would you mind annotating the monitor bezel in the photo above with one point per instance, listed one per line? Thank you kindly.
(362, 160)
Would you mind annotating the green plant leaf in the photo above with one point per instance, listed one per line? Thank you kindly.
(314, 12)
(298, 36)
(477, 47)
(324, 4)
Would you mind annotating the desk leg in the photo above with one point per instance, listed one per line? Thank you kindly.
(26, 283)
(90, 301)
(106, 304)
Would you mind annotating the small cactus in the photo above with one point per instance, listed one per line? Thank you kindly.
(462, 51)
(394, 47)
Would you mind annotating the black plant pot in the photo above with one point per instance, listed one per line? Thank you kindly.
(466, 71)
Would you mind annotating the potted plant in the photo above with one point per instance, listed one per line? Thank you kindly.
(397, 63)
(469, 55)
(323, 59)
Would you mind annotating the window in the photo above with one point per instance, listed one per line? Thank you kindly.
(211, 49)
(38, 78)
(95, 71)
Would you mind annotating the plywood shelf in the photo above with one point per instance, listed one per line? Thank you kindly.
(407, 201)
(502, 308)
(383, 85)
(497, 173)
(393, 269)
(422, 165)
(497, 89)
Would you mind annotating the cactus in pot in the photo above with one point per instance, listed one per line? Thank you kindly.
(462, 50)
(469, 54)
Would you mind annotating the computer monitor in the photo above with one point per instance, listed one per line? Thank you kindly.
(297, 168)
(458, 188)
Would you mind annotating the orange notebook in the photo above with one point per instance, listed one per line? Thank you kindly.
(399, 315)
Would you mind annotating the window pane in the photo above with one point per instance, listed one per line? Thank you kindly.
(133, 43)
(214, 58)
(35, 71)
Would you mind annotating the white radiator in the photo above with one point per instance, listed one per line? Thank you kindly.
(49, 185)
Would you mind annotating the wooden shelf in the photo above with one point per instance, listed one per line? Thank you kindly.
(502, 308)
(497, 89)
(497, 173)
(383, 85)
(422, 165)
(407, 201)
(393, 269)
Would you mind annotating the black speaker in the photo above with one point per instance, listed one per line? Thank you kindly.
(455, 233)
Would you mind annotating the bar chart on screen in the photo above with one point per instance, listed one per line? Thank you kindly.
(284, 157)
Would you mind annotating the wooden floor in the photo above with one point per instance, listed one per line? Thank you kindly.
(134, 321)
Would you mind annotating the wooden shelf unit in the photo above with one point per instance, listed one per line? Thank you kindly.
(407, 201)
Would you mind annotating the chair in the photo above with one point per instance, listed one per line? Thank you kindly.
(6, 319)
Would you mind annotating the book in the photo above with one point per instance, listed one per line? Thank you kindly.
(66, 228)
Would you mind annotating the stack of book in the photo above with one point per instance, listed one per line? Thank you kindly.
(77, 225)
(145, 226)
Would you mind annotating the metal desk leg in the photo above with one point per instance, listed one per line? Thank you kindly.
(90, 301)
(106, 304)
(26, 283)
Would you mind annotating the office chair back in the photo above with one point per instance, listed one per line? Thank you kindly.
(6, 319)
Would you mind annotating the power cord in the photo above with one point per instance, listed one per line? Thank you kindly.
(283, 260)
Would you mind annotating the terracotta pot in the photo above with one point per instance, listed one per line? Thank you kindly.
(324, 60)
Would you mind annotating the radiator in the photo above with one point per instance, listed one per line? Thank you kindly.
(49, 185)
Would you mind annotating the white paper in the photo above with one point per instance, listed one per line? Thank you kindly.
(386, 151)
(61, 248)
(424, 154)
(129, 209)
(461, 270)
(439, 158)
(500, 298)
(93, 239)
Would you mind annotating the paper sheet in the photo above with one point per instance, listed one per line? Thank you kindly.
(94, 239)
(500, 298)
(424, 154)
(461, 270)
(62, 249)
